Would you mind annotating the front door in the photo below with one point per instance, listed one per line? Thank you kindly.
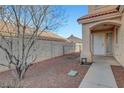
(99, 44)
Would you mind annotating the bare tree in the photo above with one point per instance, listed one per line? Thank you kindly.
(21, 26)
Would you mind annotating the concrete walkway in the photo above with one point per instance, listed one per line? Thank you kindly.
(100, 74)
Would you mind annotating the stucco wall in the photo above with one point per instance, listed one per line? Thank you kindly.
(87, 38)
(119, 46)
(44, 50)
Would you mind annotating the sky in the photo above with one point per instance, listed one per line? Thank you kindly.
(74, 12)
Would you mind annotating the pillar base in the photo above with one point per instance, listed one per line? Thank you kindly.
(88, 57)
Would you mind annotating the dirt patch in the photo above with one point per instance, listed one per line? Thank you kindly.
(119, 75)
(52, 73)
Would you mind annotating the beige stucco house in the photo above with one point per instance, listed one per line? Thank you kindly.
(77, 42)
(103, 32)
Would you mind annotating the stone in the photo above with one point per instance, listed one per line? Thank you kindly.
(72, 73)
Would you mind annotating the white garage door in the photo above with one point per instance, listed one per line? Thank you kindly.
(99, 44)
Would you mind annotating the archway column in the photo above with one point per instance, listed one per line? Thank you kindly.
(86, 51)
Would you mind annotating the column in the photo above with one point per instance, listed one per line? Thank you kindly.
(86, 51)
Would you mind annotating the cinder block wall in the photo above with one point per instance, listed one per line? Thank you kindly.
(44, 50)
(78, 47)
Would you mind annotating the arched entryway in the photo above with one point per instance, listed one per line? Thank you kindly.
(103, 36)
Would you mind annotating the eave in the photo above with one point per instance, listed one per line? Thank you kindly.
(99, 16)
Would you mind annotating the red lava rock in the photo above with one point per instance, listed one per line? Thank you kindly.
(52, 73)
(119, 75)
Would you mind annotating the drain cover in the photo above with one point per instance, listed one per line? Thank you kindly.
(72, 73)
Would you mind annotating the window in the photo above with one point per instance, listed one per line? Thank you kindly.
(116, 35)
